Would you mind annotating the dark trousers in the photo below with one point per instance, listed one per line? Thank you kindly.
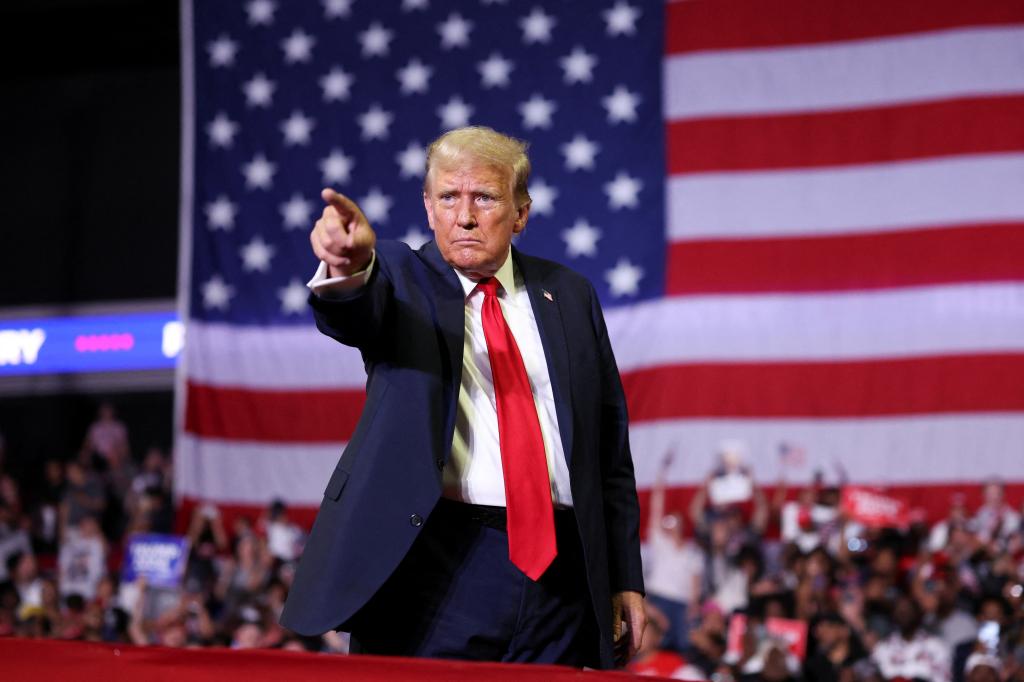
(456, 595)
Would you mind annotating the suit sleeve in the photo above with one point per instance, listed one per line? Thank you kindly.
(356, 318)
(621, 507)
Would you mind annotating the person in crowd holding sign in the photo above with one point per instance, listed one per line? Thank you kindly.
(487, 494)
(730, 487)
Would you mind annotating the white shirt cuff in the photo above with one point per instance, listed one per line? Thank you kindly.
(333, 287)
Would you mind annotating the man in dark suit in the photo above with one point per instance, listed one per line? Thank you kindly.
(485, 507)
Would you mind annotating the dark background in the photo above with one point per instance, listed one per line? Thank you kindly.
(89, 161)
(89, 133)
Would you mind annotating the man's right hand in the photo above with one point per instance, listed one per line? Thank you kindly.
(342, 237)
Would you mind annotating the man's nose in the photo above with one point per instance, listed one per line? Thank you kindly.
(466, 217)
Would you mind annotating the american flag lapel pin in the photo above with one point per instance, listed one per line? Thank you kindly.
(547, 295)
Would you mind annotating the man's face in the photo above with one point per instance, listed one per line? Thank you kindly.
(472, 211)
(905, 615)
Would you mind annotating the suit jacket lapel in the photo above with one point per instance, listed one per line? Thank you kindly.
(450, 309)
(544, 300)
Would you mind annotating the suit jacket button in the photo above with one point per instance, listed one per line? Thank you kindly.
(416, 520)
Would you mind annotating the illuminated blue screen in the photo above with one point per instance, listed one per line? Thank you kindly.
(98, 343)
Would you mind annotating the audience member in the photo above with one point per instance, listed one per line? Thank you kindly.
(107, 437)
(675, 567)
(284, 538)
(82, 559)
(24, 576)
(911, 652)
(154, 474)
(14, 540)
(837, 649)
(46, 512)
(995, 519)
(652, 658)
(83, 496)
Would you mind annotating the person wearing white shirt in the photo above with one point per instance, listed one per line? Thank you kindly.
(493, 369)
(674, 571)
(911, 652)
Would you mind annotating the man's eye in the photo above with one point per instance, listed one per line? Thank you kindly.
(484, 199)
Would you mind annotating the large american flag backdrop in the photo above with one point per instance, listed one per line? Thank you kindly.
(805, 220)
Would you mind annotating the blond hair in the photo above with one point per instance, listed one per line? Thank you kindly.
(483, 144)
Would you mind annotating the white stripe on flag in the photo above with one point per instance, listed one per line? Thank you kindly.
(270, 357)
(924, 449)
(845, 75)
(253, 473)
(936, 320)
(875, 197)
(931, 449)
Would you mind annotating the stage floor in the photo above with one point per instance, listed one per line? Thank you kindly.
(31, 659)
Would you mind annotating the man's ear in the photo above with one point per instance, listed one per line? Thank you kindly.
(523, 214)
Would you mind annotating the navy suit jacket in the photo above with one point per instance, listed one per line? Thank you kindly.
(408, 322)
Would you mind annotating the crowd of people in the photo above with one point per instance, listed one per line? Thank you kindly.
(64, 529)
(776, 588)
(742, 586)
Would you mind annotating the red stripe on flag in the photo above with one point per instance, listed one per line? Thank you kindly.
(727, 24)
(861, 388)
(963, 126)
(933, 498)
(306, 416)
(303, 514)
(977, 253)
(966, 383)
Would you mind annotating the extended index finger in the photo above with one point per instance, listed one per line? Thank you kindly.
(345, 207)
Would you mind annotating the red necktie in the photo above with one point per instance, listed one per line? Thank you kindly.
(531, 519)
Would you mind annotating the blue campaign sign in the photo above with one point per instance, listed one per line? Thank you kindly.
(160, 559)
(93, 343)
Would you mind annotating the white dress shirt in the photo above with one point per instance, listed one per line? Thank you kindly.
(473, 473)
